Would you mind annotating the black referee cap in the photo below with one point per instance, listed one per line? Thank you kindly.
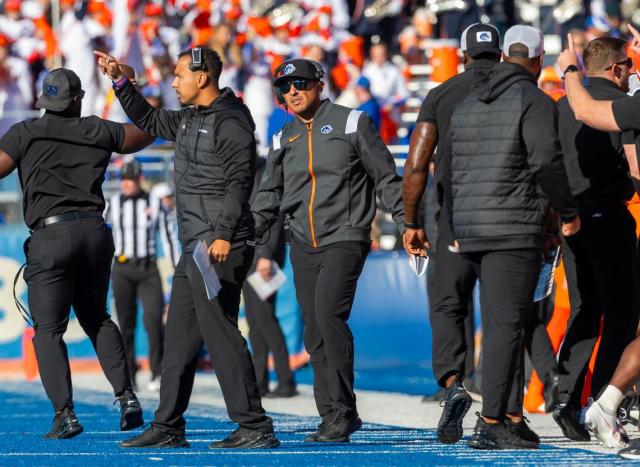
(131, 170)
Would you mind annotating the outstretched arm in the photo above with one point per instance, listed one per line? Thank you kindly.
(162, 123)
(134, 139)
(6, 164)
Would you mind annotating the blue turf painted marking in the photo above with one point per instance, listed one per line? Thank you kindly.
(24, 412)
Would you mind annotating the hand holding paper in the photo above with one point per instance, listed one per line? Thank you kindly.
(266, 288)
(209, 275)
(418, 264)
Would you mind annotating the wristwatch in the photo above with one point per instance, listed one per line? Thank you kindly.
(412, 225)
(570, 69)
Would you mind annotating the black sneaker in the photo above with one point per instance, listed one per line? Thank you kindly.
(632, 451)
(439, 395)
(490, 436)
(247, 438)
(522, 430)
(550, 392)
(568, 419)
(282, 392)
(338, 428)
(154, 438)
(313, 437)
(455, 407)
(65, 425)
(130, 411)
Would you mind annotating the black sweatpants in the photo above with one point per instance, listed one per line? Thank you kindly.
(599, 264)
(68, 264)
(326, 280)
(192, 318)
(537, 342)
(451, 281)
(132, 280)
(266, 336)
(507, 282)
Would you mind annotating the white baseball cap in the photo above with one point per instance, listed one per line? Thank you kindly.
(161, 190)
(528, 36)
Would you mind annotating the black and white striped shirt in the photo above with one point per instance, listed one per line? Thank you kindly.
(135, 221)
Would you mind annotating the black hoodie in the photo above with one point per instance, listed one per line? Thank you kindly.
(214, 163)
(506, 160)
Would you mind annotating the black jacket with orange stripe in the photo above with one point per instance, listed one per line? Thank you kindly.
(325, 175)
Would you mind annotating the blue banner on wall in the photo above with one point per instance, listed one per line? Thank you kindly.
(389, 318)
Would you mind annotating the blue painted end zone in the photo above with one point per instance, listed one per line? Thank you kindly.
(25, 414)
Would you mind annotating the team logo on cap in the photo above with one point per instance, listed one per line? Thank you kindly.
(484, 36)
(289, 69)
(326, 129)
(51, 90)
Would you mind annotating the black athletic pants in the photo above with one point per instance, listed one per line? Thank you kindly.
(507, 282)
(599, 263)
(326, 280)
(192, 318)
(266, 336)
(68, 264)
(130, 280)
(451, 279)
(538, 343)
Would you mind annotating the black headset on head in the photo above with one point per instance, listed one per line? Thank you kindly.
(318, 75)
(197, 59)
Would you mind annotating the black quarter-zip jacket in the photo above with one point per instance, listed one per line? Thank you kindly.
(325, 175)
(215, 156)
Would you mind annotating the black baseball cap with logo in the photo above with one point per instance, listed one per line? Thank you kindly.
(300, 68)
(480, 38)
(59, 88)
(131, 170)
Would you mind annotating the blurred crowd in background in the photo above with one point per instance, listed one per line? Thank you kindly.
(372, 50)
(381, 56)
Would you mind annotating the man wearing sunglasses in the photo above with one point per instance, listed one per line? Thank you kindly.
(61, 160)
(598, 260)
(324, 170)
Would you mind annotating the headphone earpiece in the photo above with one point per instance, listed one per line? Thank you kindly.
(319, 70)
(197, 60)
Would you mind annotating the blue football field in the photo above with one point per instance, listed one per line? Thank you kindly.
(26, 414)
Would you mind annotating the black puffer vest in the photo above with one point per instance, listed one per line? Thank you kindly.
(495, 202)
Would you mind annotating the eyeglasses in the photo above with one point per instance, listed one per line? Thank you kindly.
(628, 62)
(299, 84)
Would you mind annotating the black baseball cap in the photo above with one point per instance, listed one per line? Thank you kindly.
(300, 68)
(480, 38)
(130, 170)
(59, 88)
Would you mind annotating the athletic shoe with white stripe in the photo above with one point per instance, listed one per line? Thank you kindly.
(632, 451)
(604, 426)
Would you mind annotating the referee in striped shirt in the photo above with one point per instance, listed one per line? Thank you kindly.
(136, 219)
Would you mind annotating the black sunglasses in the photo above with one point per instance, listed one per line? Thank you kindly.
(299, 84)
(627, 62)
